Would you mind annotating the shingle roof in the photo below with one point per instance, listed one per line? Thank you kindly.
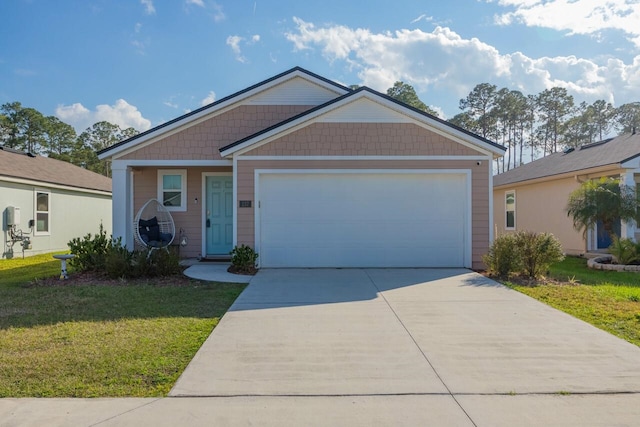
(17, 164)
(608, 152)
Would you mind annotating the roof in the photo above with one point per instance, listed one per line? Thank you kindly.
(613, 151)
(27, 166)
(195, 114)
(354, 94)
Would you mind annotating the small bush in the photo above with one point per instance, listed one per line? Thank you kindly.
(538, 251)
(503, 258)
(625, 251)
(91, 251)
(243, 259)
(105, 255)
(118, 262)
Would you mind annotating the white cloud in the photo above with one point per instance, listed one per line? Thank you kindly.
(587, 17)
(444, 61)
(121, 113)
(234, 43)
(211, 97)
(255, 38)
(196, 2)
(218, 13)
(149, 9)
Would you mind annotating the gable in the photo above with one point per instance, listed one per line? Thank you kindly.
(295, 87)
(362, 107)
(297, 91)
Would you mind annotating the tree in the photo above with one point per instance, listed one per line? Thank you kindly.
(406, 93)
(479, 104)
(61, 139)
(24, 128)
(553, 106)
(98, 137)
(628, 117)
(605, 200)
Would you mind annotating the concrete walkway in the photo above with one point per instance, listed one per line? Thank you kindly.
(381, 347)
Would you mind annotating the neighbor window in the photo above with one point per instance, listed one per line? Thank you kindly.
(43, 208)
(172, 189)
(510, 210)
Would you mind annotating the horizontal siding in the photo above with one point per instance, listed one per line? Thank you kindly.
(296, 91)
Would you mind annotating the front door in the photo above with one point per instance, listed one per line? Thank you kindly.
(219, 215)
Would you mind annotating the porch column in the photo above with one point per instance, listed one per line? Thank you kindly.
(628, 229)
(120, 203)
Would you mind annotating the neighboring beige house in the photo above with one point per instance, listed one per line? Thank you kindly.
(313, 174)
(47, 202)
(534, 196)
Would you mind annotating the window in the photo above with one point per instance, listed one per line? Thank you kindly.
(172, 189)
(42, 212)
(510, 210)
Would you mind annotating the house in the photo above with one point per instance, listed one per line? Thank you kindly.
(534, 196)
(46, 202)
(313, 174)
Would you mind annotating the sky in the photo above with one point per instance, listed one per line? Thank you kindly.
(141, 63)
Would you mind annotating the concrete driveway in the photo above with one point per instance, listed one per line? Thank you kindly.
(381, 347)
(441, 346)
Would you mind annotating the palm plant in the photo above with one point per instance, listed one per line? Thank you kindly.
(604, 200)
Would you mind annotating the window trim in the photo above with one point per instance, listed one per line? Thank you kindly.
(183, 189)
(506, 210)
(37, 191)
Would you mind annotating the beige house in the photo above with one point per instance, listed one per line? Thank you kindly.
(534, 196)
(46, 202)
(313, 174)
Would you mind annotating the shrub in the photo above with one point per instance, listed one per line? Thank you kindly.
(243, 259)
(105, 255)
(537, 252)
(91, 251)
(118, 261)
(503, 257)
(625, 251)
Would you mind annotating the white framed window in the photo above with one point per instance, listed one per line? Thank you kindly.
(172, 189)
(510, 210)
(42, 212)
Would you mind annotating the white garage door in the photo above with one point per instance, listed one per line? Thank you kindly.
(372, 219)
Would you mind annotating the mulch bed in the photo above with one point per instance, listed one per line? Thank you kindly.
(245, 272)
(84, 278)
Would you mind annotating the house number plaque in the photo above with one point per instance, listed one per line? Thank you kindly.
(245, 203)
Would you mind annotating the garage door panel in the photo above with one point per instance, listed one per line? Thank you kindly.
(362, 220)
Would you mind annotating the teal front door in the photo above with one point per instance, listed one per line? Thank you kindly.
(219, 215)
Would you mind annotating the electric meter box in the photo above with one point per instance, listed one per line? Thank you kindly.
(13, 216)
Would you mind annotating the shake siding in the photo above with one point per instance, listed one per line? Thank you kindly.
(146, 187)
(202, 140)
(480, 191)
(354, 139)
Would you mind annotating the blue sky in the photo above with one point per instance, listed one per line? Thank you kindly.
(143, 62)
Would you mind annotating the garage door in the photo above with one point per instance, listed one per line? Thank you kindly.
(372, 219)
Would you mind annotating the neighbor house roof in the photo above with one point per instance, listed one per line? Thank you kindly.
(613, 151)
(22, 166)
(215, 106)
(364, 91)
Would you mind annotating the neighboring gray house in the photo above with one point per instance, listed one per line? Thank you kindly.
(46, 202)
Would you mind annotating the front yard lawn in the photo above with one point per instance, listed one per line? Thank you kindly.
(609, 300)
(88, 337)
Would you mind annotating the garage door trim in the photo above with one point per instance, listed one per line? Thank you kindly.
(467, 243)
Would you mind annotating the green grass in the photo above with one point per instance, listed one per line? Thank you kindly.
(95, 339)
(607, 299)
